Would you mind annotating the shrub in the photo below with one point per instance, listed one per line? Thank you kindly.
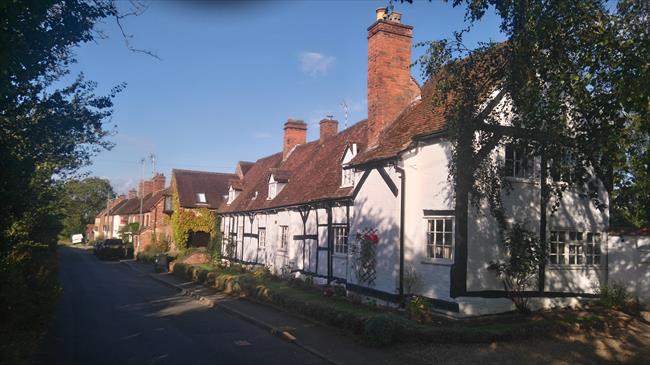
(262, 273)
(613, 295)
(419, 309)
(518, 271)
(380, 330)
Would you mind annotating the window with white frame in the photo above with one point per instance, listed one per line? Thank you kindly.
(284, 237)
(347, 178)
(340, 239)
(273, 189)
(261, 236)
(519, 162)
(200, 198)
(440, 237)
(570, 247)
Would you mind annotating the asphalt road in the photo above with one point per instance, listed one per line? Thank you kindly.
(110, 314)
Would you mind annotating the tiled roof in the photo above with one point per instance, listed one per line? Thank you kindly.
(242, 168)
(154, 198)
(420, 118)
(189, 183)
(131, 206)
(312, 170)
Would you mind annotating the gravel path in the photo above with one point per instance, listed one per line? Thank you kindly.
(625, 340)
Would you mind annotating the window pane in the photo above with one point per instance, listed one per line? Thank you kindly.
(448, 225)
(439, 239)
(579, 236)
(439, 225)
(448, 239)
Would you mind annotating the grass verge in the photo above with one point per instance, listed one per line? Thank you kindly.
(376, 326)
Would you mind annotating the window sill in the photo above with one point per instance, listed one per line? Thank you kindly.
(575, 267)
(522, 180)
(439, 262)
(340, 255)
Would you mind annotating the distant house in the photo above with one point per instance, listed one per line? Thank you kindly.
(196, 190)
(302, 208)
(157, 209)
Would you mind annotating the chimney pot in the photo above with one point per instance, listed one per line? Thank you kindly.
(295, 133)
(328, 127)
(380, 13)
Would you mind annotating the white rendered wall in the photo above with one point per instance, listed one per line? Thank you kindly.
(377, 208)
(629, 264)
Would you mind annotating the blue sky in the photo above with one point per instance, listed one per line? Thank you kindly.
(231, 75)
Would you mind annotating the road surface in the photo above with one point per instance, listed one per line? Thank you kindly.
(111, 314)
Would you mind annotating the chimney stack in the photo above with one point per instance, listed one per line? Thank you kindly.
(390, 86)
(328, 127)
(133, 193)
(145, 187)
(295, 133)
(158, 182)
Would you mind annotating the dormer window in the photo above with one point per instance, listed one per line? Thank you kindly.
(277, 181)
(200, 198)
(232, 194)
(347, 174)
(273, 189)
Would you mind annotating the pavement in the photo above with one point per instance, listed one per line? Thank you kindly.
(110, 314)
(326, 342)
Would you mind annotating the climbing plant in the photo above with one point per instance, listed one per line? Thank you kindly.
(184, 221)
(366, 256)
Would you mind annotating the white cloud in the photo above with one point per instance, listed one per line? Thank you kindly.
(315, 64)
(262, 135)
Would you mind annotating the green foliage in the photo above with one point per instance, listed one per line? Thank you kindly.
(419, 309)
(184, 221)
(380, 330)
(614, 295)
(262, 273)
(214, 246)
(82, 200)
(28, 295)
(525, 254)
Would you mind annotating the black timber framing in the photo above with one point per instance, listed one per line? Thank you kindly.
(330, 243)
(388, 181)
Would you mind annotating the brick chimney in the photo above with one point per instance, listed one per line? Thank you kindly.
(328, 127)
(295, 133)
(158, 182)
(390, 86)
(145, 187)
(133, 193)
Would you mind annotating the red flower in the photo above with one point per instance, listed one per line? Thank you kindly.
(328, 291)
(372, 238)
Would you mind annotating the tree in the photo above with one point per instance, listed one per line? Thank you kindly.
(82, 200)
(561, 76)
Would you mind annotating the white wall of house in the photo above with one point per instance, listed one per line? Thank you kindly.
(427, 188)
(629, 264)
(377, 208)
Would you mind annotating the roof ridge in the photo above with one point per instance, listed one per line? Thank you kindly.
(203, 172)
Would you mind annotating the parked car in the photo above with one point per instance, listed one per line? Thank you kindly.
(111, 249)
(96, 246)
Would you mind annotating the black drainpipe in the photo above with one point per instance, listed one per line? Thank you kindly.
(402, 173)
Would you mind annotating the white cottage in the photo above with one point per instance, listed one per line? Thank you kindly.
(300, 210)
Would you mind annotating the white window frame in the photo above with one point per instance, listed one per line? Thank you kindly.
(569, 247)
(283, 236)
(340, 233)
(273, 189)
(347, 178)
(431, 248)
(200, 198)
(261, 236)
(526, 163)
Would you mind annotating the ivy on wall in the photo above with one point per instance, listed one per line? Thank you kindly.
(184, 221)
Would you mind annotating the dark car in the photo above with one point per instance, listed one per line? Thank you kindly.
(111, 249)
(96, 246)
